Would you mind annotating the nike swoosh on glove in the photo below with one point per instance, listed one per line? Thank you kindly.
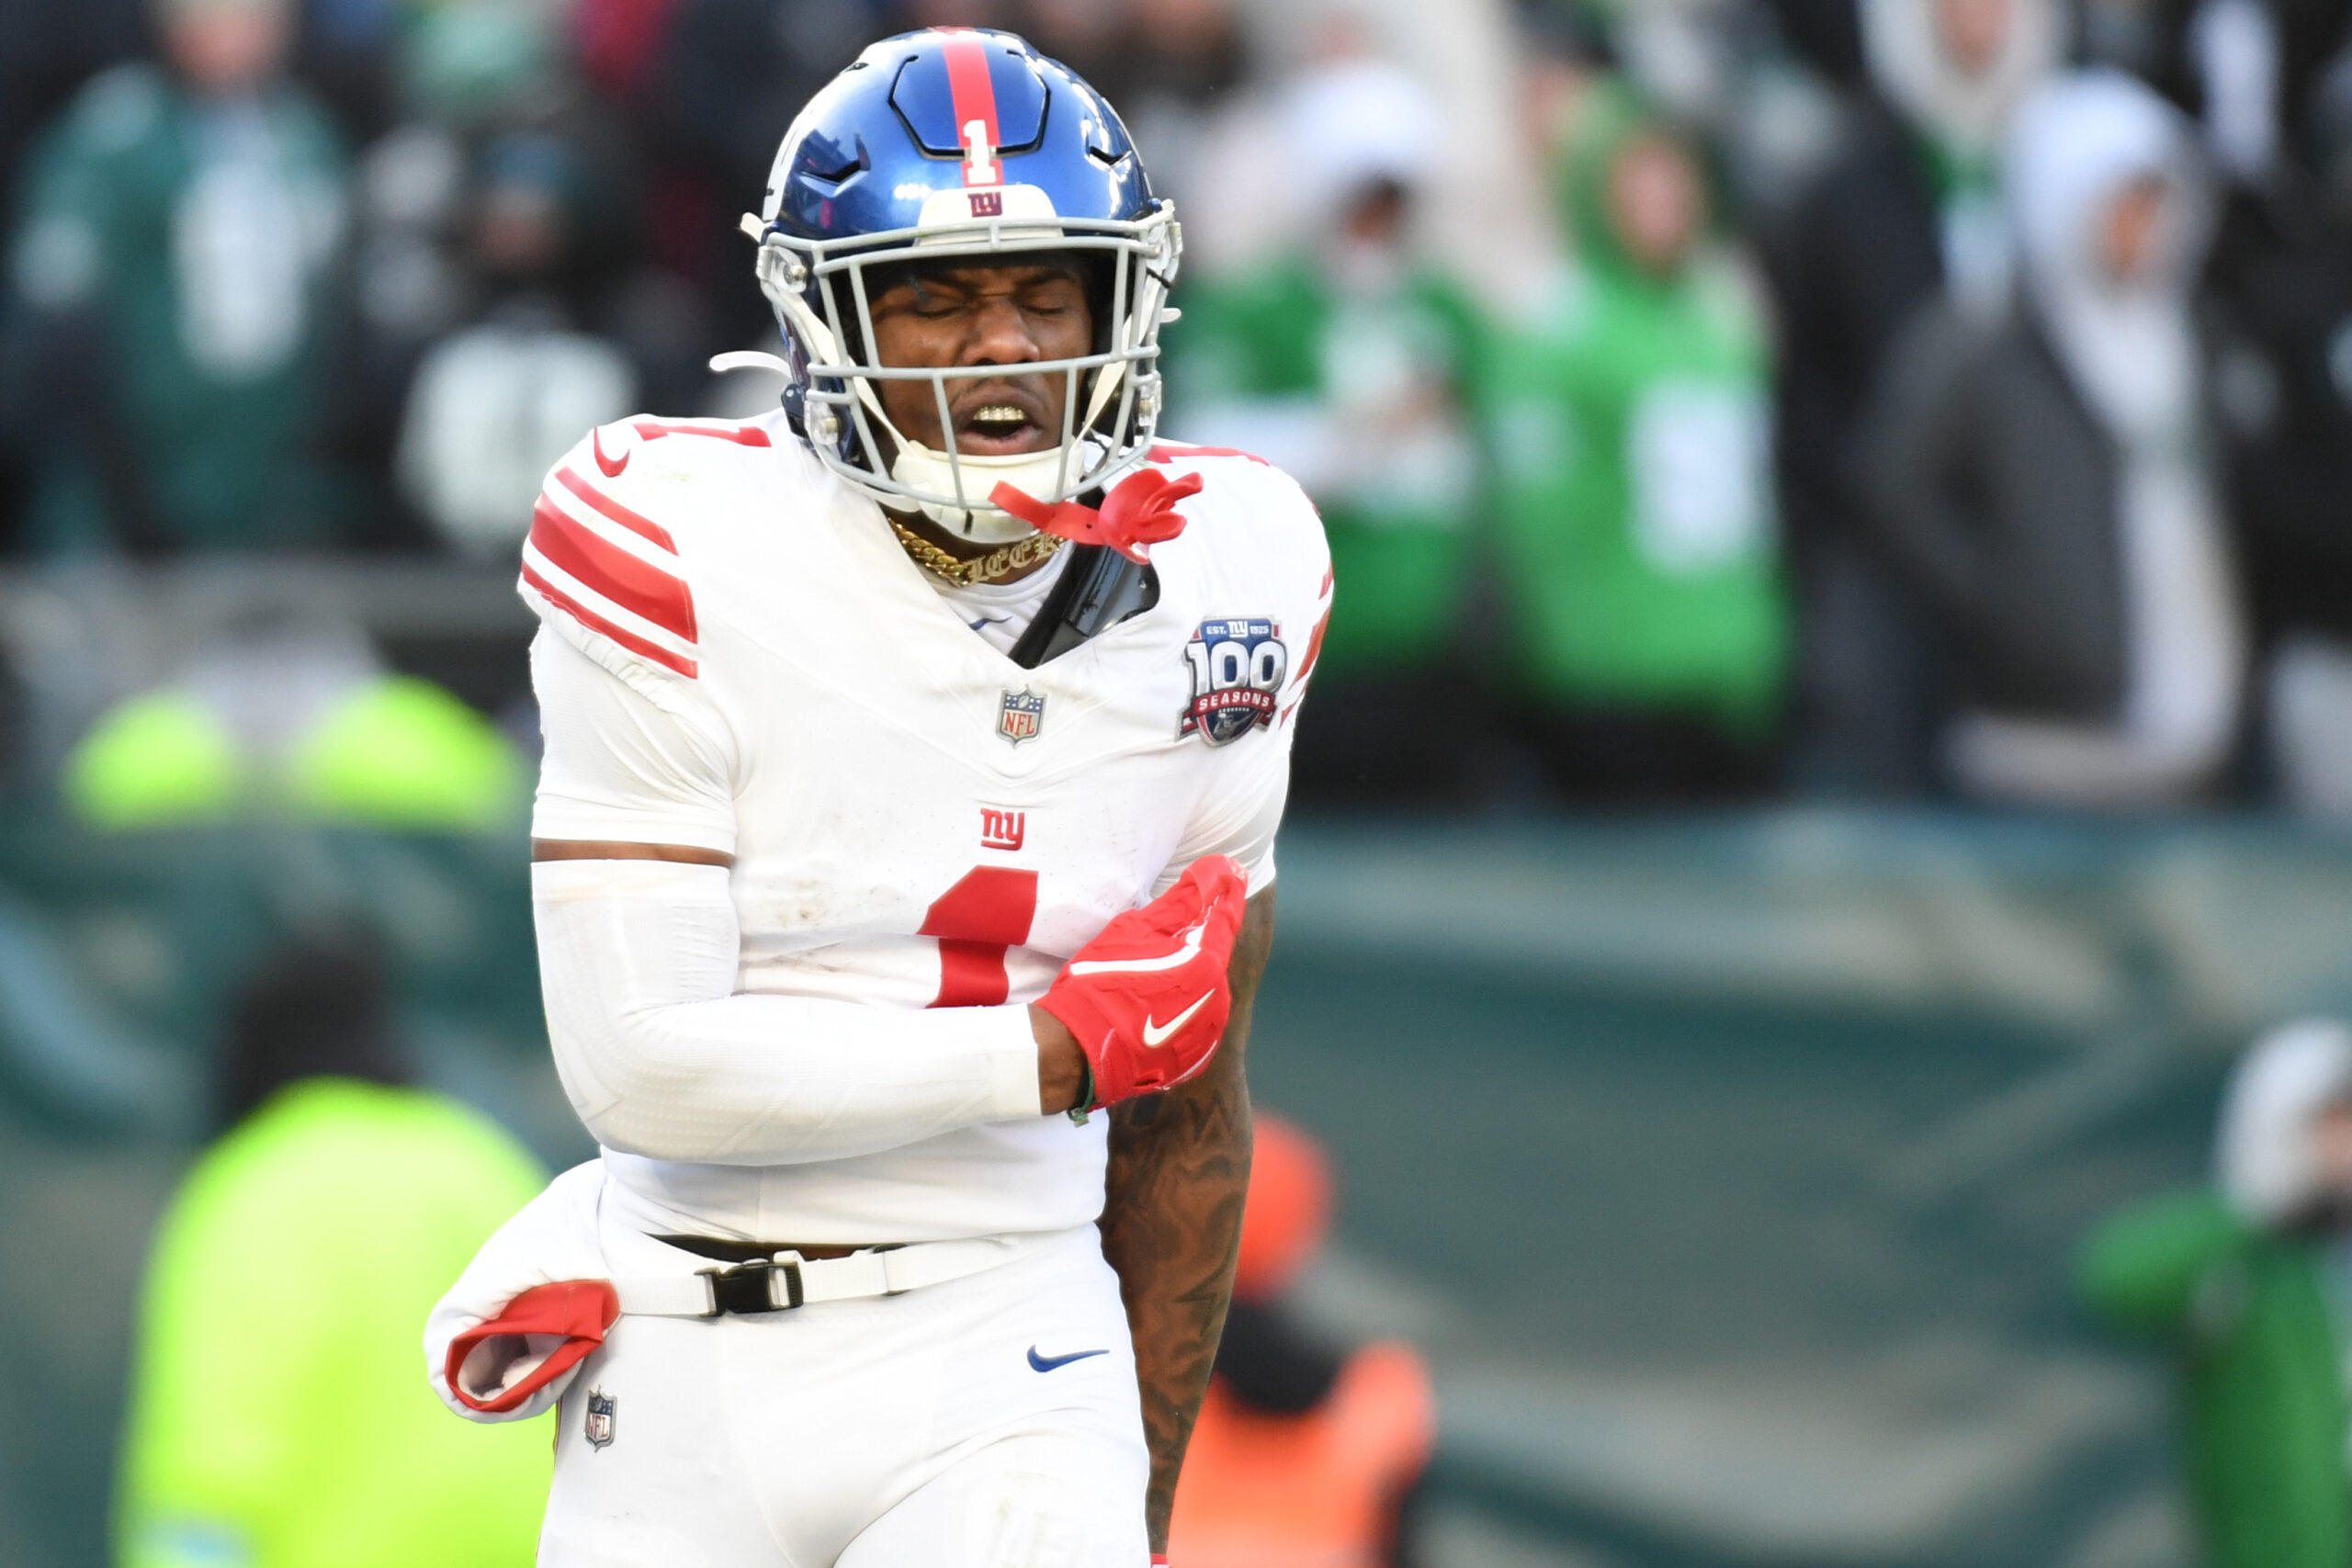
(1148, 998)
(1139, 511)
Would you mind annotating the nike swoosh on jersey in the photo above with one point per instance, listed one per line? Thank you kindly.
(1187, 948)
(1047, 1363)
(1156, 1035)
(612, 470)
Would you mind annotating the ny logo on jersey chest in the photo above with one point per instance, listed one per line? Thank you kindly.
(1002, 830)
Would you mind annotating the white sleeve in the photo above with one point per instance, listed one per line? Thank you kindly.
(1241, 809)
(620, 768)
(1242, 813)
(661, 1058)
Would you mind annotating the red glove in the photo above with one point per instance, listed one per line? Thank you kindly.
(1139, 511)
(1148, 998)
(535, 1339)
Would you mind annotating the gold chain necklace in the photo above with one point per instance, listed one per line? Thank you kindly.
(983, 569)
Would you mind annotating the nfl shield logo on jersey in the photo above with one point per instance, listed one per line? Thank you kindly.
(1020, 714)
(1238, 666)
(600, 1418)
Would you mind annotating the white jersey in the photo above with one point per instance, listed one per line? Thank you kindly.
(737, 655)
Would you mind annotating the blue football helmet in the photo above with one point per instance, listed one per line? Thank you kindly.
(956, 143)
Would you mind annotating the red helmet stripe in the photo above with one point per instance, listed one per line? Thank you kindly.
(974, 94)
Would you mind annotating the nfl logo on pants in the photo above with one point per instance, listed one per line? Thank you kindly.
(1020, 714)
(600, 1418)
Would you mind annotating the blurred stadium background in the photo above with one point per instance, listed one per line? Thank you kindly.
(1728, 1169)
(1721, 1077)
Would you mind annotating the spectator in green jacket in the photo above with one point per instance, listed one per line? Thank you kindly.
(1341, 362)
(2233, 1281)
(176, 258)
(1629, 431)
(277, 1417)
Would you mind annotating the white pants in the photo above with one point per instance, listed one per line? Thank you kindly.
(908, 1431)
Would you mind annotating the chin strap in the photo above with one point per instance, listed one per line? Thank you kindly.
(1141, 510)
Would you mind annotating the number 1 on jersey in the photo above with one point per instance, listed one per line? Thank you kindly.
(987, 911)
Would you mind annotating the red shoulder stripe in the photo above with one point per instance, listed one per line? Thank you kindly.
(636, 523)
(1313, 651)
(597, 622)
(1163, 453)
(634, 584)
(741, 435)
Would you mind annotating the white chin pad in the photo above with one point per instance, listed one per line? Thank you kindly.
(922, 470)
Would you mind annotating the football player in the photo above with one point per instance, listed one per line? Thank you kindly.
(903, 876)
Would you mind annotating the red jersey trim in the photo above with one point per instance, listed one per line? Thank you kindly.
(636, 585)
(1313, 651)
(637, 522)
(740, 434)
(587, 617)
(1165, 453)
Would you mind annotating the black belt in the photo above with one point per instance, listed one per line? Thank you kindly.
(749, 1287)
(727, 1251)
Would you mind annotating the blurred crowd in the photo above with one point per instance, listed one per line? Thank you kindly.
(1709, 400)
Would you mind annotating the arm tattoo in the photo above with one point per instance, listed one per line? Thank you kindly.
(1171, 1223)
